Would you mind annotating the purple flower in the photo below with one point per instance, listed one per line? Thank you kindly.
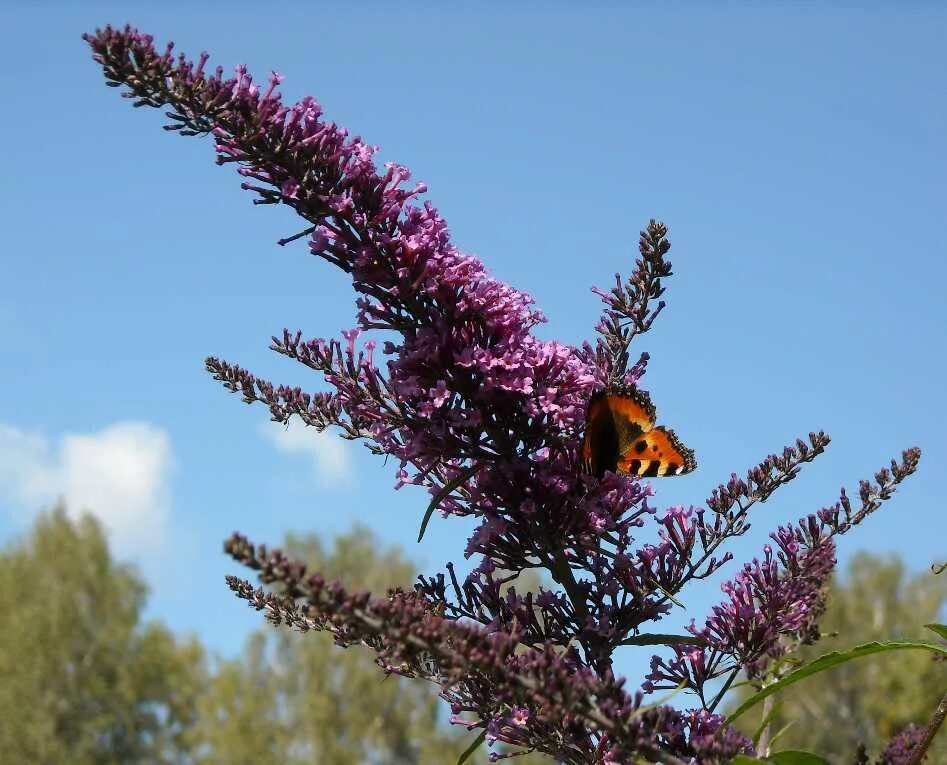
(770, 603)
(902, 748)
(487, 417)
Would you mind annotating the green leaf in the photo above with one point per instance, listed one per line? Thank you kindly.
(740, 684)
(468, 752)
(669, 596)
(662, 639)
(831, 660)
(797, 757)
(660, 702)
(940, 629)
(442, 495)
(787, 757)
(780, 732)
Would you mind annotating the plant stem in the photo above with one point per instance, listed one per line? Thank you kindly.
(563, 574)
(762, 746)
(930, 731)
(726, 687)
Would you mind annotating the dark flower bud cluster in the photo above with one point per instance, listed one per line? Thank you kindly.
(488, 418)
(772, 603)
(901, 750)
(530, 695)
(629, 306)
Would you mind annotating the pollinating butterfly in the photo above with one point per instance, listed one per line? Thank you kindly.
(620, 435)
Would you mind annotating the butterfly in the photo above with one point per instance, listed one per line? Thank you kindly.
(620, 436)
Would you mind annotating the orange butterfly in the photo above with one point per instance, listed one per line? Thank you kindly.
(620, 436)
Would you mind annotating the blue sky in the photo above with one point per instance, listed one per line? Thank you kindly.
(796, 154)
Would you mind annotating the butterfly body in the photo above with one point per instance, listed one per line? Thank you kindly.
(621, 436)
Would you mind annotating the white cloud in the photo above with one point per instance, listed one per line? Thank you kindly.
(328, 453)
(120, 474)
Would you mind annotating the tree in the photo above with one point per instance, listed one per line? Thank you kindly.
(83, 680)
(289, 699)
(870, 701)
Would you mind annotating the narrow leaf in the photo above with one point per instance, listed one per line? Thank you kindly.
(660, 639)
(442, 495)
(468, 752)
(787, 757)
(669, 596)
(831, 660)
(660, 702)
(940, 629)
(781, 731)
(797, 757)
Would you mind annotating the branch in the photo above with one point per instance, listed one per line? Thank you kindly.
(930, 730)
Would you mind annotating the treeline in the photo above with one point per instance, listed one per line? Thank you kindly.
(84, 681)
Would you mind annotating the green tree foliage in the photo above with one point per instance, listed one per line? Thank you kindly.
(870, 700)
(82, 680)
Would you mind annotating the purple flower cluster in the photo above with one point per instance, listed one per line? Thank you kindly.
(902, 749)
(542, 698)
(773, 604)
(767, 602)
(488, 418)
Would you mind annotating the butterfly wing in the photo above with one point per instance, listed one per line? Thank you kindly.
(658, 452)
(613, 422)
(600, 442)
(633, 413)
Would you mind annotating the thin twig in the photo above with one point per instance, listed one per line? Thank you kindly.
(929, 732)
